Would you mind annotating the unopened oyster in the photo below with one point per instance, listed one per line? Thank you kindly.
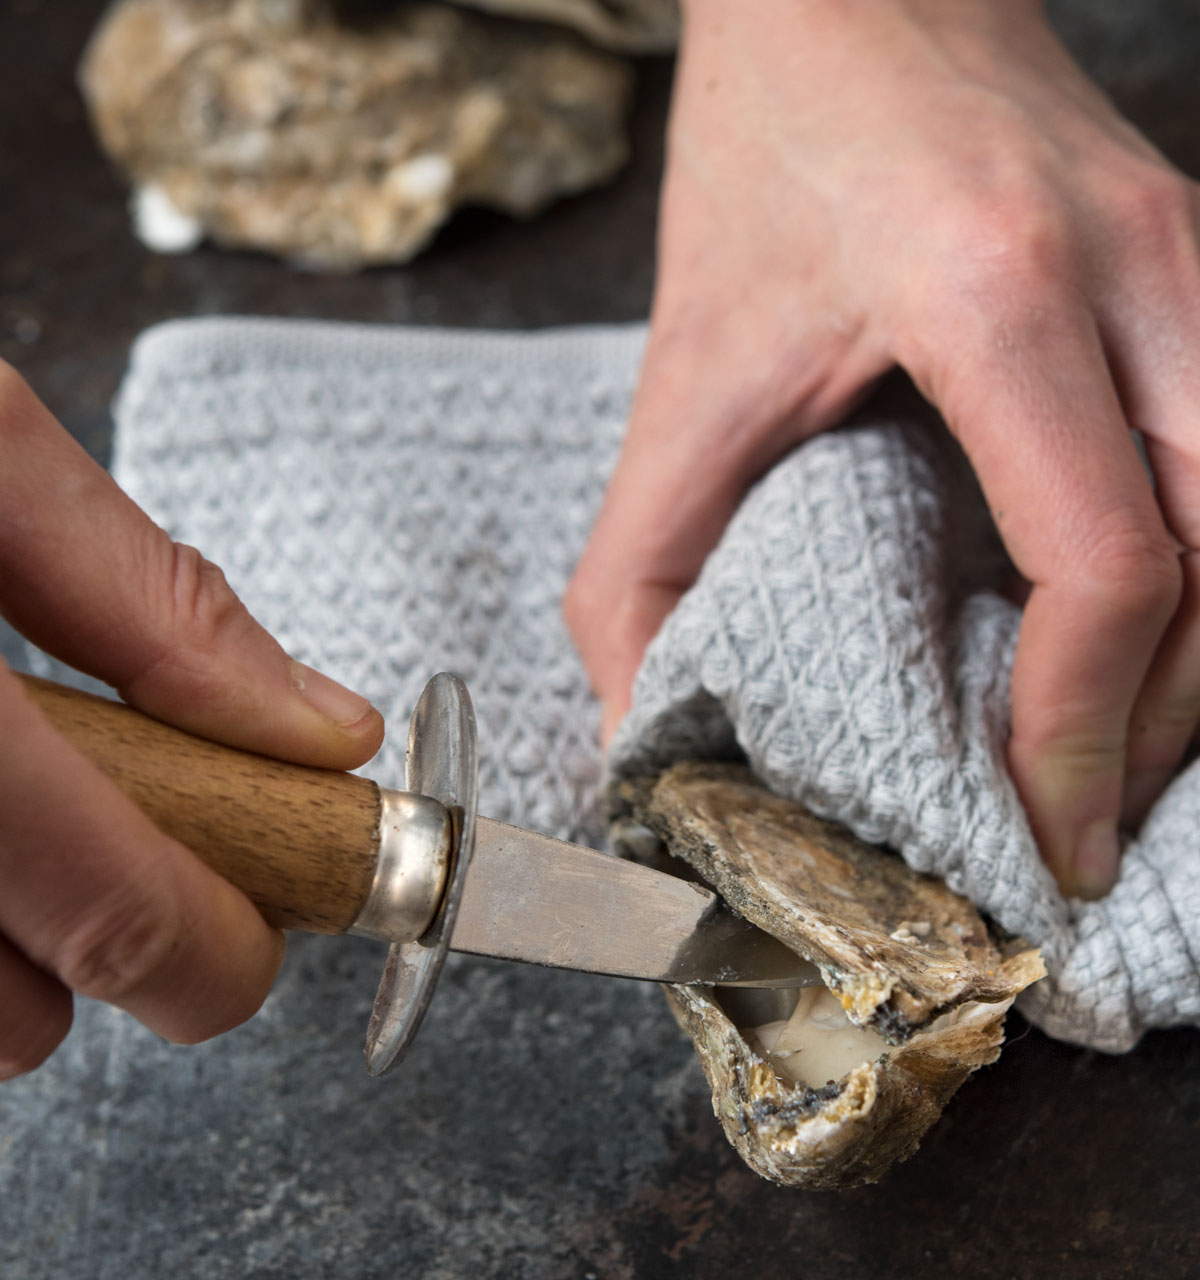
(828, 1087)
(277, 126)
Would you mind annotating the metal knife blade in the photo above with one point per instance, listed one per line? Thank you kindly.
(544, 901)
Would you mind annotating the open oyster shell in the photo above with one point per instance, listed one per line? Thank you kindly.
(816, 1089)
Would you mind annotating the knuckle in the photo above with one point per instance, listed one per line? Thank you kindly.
(1002, 291)
(1078, 757)
(119, 950)
(1015, 244)
(193, 616)
(205, 606)
(1154, 212)
(1133, 569)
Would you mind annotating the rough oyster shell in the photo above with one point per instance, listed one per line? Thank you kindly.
(913, 965)
(273, 126)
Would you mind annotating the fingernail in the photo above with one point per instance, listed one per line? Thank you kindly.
(1141, 791)
(1097, 855)
(334, 701)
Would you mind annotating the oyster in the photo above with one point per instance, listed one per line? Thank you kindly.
(275, 126)
(827, 1088)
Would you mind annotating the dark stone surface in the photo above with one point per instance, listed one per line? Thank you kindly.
(546, 1125)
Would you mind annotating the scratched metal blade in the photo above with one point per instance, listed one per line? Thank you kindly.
(532, 898)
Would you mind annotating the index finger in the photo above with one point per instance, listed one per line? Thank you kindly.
(90, 578)
(1044, 429)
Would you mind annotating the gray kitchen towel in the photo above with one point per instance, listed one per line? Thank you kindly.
(394, 502)
(847, 637)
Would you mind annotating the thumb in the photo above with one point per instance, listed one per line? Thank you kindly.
(90, 578)
(676, 485)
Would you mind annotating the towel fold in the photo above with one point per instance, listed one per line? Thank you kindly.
(847, 637)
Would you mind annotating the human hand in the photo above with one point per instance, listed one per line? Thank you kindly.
(933, 184)
(93, 898)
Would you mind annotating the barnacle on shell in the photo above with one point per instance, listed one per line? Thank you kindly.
(828, 1087)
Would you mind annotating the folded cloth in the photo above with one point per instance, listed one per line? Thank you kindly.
(844, 638)
(394, 502)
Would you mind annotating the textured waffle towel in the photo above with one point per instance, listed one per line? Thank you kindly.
(390, 503)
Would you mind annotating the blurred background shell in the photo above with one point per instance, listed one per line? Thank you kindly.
(343, 135)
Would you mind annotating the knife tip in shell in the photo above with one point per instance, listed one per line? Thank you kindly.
(532, 898)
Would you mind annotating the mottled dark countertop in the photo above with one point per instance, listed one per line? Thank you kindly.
(547, 1125)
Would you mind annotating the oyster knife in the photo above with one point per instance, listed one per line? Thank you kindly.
(530, 897)
(328, 852)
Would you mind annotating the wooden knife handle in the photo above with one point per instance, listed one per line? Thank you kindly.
(301, 843)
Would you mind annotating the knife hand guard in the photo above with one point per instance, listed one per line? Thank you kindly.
(415, 840)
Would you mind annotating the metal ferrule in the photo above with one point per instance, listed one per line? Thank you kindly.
(415, 837)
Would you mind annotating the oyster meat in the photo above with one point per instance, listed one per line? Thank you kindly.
(828, 1087)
